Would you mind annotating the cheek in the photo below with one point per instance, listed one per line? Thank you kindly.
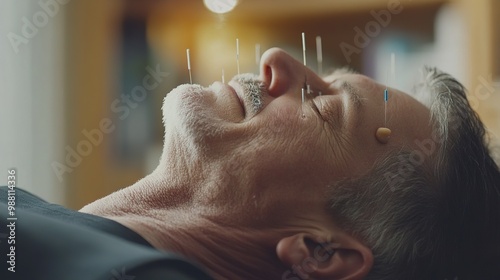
(280, 122)
(290, 204)
(289, 194)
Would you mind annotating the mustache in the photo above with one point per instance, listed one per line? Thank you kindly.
(254, 90)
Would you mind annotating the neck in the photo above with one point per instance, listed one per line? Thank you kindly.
(168, 215)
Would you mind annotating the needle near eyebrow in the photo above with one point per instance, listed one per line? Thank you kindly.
(308, 87)
(189, 66)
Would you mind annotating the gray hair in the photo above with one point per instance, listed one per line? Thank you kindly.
(431, 212)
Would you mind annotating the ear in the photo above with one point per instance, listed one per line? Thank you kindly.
(345, 258)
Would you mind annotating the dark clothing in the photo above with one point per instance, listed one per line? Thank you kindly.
(48, 241)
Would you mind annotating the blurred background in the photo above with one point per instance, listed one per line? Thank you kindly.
(82, 81)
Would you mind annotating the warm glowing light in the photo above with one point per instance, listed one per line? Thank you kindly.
(220, 6)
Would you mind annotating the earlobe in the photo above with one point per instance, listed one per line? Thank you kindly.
(347, 258)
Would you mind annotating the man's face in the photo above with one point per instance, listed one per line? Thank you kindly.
(268, 150)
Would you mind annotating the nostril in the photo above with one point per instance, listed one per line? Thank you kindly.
(270, 81)
(275, 77)
(279, 71)
(268, 75)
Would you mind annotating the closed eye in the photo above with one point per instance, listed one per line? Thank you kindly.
(329, 108)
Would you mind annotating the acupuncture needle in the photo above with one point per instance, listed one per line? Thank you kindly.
(308, 87)
(257, 54)
(305, 65)
(238, 54)
(319, 55)
(386, 97)
(386, 91)
(189, 66)
(304, 48)
(223, 81)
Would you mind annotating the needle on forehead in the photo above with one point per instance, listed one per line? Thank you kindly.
(386, 97)
(319, 55)
(223, 76)
(189, 66)
(238, 54)
(386, 91)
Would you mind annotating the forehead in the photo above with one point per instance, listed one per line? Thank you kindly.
(415, 124)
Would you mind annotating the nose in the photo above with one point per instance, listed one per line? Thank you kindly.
(282, 73)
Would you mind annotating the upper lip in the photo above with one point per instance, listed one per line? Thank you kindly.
(237, 89)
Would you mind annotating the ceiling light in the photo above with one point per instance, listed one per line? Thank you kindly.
(220, 6)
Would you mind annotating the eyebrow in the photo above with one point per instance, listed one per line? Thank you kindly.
(353, 94)
(355, 99)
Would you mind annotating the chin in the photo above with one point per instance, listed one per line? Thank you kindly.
(188, 112)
